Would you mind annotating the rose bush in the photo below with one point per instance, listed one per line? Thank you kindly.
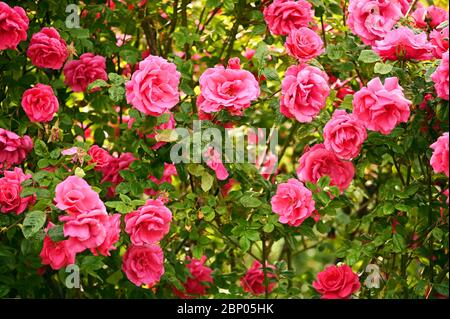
(351, 203)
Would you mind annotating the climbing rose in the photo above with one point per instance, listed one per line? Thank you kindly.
(47, 49)
(214, 161)
(283, 16)
(149, 223)
(56, 254)
(439, 40)
(404, 44)
(100, 157)
(10, 187)
(253, 281)
(344, 135)
(439, 159)
(153, 88)
(231, 89)
(13, 26)
(143, 264)
(13, 148)
(317, 162)
(197, 281)
(292, 202)
(440, 78)
(432, 16)
(40, 103)
(381, 107)
(80, 73)
(169, 171)
(304, 44)
(372, 19)
(112, 226)
(304, 92)
(337, 282)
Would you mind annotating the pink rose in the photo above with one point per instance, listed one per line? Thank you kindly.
(13, 148)
(56, 254)
(304, 92)
(40, 103)
(304, 44)
(143, 264)
(317, 162)
(47, 49)
(112, 226)
(292, 202)
(432, 16)
(439, 77)
(153, 88)
(13, 26)
(372, 19)
(10, 188)
(404, 44)
(214, 161)
(439, 39)
(337, 282)
(231, 89)
(381, 107)
(439, 159)
(253, 281)
(344, 135)
(76, 196)
(85, 230)
(169, 171)
(149, 223)
(80, 73)
(283, 16)
(100, 157)
(405, 4)
(115, 166)
(266, 164)
(198, 279)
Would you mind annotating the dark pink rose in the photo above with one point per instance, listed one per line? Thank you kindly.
(439, 77)
(80, 73)
(143, 264)
(337, 282)
(439, 159)
(100, 157)
(40, 103)
(198, 280)
(13, 148)
(10, 188)
(13, 26)
(439, 39)
(56, 254)
(253, 281)
(47, 49)
(317, 162)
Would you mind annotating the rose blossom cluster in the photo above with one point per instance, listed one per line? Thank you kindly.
(82, 72)
(13, 26)
(86, 224)
(143, 263)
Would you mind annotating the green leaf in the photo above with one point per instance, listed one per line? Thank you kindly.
(244, 243)
(116, 79)
(56, 233)
(32, 223)
(268, 228)
(271, 74)
(382, 68)
(116, 93)
(40, 148)
(207, 181)
(399, 243)
(115, 277)
(97, 84)
(368, 56)
(250, 201)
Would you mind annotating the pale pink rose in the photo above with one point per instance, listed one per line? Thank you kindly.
(80, 73)
(56, 254)
(10, 188)
(196, 283)
(169, 171)
(304, 44)
(304, 92)
(231, 89)
(40, 103)
(439, 39)
(381, 107)
(13, 148)
(372, 19)
(100, 157)
(344, 135)
(283, 16)
(439, 159)
(115, 166)
(85, 230)
(317, 162)
(214, 161)
(153, 88)
(439, 77)
(293, 202)
(112, 226)
(70, 151)
(47, 49)
(404, 44)
(337, 282)
(149, 223)
(13, 26)
(253, 282)
(75, 196)
(169, 125)
(432, 16)
(143, 264)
